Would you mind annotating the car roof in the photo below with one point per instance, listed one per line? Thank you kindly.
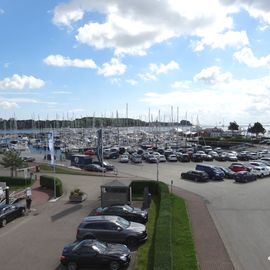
(100, 218)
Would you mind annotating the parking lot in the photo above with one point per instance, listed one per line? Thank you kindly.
(241, 213)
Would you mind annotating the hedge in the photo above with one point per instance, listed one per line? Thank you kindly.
(16, 181)
(48, 182)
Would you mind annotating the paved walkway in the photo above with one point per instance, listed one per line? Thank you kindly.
(210, 250)
(40, 195)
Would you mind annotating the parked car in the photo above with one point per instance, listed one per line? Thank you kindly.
(111, 229)
(243, 157)
(151, 159)
(108, 166)
(94, 168)
(208, 157)
(244, 177)
(228, 172)
(212, 171)
(93, 253)
(125, 211)
(172, 158)
(9, 212)
(197, 176)
(124, 159)
(28, 159)
(221, 157)
(161, 158)
(238, 167)
(184, 158)
(196, 157)
(231, 157)
(260, 171)
(136, 158)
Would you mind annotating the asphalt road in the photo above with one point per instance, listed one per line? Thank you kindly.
(241, 212)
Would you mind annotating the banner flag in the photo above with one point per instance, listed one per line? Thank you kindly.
(51, 146)
(100, 146)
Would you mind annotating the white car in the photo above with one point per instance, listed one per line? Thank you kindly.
(161, 158)
(124, 159)
(260, 171)
(172, 157)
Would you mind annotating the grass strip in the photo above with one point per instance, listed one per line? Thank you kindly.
(61, 170)
(145, 255)
(183, 251)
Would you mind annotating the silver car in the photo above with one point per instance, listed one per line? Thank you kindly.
(111, 229)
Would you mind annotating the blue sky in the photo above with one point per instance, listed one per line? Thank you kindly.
(62, 59)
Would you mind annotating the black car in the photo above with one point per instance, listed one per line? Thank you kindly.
(94, 168)
(243, 157)
(184, 158)
(112, 229)
(221, 158)
(244, 177)
(197, 158)
(197, 176)
(93, 253)
(8, 212)
(125, 211)
(106, 165)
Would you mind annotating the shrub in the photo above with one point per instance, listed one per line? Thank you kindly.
(16, 181)
(48, 182)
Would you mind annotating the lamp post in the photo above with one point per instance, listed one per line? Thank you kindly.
(157, 169)
(7, 195)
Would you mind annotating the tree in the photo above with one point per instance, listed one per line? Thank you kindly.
(257, 128)
(233, 126)
(12, 159)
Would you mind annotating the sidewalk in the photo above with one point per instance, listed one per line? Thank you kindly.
(210, 249)
(39, 195)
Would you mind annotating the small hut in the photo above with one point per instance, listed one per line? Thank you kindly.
(116, 192)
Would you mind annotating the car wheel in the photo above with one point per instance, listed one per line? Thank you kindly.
(132, 241)
(261, 175)
(72, 266)
(23, 212)
(4, 222)
(196, 179)
(114, 265)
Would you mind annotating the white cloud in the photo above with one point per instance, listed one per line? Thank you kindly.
(17, 82)
(62, 92)
(156, 69)
(132, 82)
(5, 104)
(147, 76)
(227, 39)
(213, 75)
(246, 56)
(62, 61)
(66, 15)
(235, 100)
(163, 68)
(114, 67)
(132, 27)
(181, 84)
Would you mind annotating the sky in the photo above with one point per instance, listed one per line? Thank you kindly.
(157, 59)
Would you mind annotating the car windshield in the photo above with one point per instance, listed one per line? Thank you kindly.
(100, 247)
(122, 222)
(128, 208)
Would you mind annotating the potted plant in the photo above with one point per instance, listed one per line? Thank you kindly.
(76, 195)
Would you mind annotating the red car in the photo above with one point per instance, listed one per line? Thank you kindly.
(238, 168)
(89, 152)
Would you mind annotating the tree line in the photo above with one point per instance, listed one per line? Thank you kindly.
(257, 128)
(85, 122)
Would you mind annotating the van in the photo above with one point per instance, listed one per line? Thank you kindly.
(213, 172)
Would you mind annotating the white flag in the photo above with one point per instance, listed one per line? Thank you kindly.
(51, 146)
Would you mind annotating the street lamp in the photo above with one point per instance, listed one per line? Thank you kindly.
(157, 169)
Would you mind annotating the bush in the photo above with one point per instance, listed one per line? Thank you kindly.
(16, 181)
(48, 182)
